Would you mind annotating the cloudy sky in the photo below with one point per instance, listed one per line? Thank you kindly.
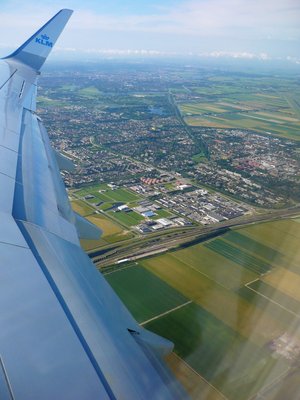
(241, 28)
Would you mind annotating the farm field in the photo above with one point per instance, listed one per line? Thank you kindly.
(229, 105)
(82, 208)
(197, 386)
(112, 232)
(240, 296)
(210, 347)
(145, 295)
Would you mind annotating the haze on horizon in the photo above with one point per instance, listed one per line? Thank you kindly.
(266, 29)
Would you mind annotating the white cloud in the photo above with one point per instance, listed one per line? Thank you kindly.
(255, 18)
(237, 54)
(192, 25)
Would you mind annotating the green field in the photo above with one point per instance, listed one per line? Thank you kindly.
(224, 271)
(228, 105)
(198, 158)
(108, 198)
(90, 92)
(239, 256)
(244, 293)
(145, 295)
(107, 195)
(127, 218)
(229, 306)
(122, 195)
(43, 101)
(254, 246)
(233, 364)
(162, 214)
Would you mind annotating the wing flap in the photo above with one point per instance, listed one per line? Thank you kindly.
(99, 318)
(85, 229)
(64, 163)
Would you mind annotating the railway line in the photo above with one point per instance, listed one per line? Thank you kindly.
(148, 245)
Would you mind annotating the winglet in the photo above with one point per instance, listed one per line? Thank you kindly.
(37, 48)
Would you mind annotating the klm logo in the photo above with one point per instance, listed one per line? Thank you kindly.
(44, 40)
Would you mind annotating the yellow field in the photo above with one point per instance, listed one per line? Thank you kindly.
(196, 386)
(107, 225)
(223, 271)
(81, 208)
(283, 236)
(242, 316)
(269, 96)
(112, 232)
(286, 281)
(198, 121)
(277, 117)
(199, 108)
(236, 106)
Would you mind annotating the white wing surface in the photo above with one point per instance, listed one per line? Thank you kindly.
(64, 333)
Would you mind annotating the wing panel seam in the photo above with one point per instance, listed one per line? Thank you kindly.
(3, 84)
(66, 310)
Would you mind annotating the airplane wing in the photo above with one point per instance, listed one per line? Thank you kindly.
(64, 332)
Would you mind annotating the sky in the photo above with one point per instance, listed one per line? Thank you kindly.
(265, 29)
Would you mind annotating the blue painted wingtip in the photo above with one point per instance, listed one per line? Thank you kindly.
(36, 49)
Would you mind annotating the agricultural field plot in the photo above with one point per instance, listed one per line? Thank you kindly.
(230, 362)
(110, 229)
(223, 271)
(288, 390)
(253, 246)
(282, 237)
(285, 281)
(112, 232)
(81, 208)
(201, 108)
(197, 387)
(145, 295)
(239, 256)
(233, 307)
(230, 106)
(261, 288)
(229, 306)
(205, 122)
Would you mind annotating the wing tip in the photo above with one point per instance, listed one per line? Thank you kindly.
(34, 51)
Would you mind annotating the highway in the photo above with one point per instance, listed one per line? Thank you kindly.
(183, 237)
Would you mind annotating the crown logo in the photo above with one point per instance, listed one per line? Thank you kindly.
(45, 37)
